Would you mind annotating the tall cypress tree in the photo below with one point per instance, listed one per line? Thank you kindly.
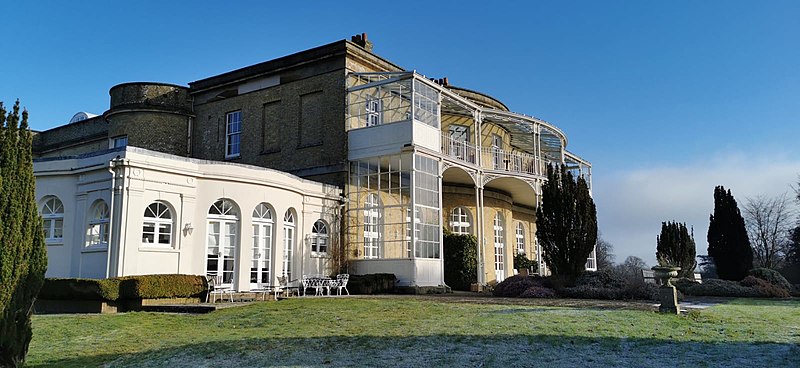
(23, 258)
(728, 243)
(566, 222)
(675, 246)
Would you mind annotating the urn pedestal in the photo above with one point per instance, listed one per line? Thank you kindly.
(667, 294)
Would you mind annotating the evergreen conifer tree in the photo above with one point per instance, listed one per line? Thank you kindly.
(728, 243)
(23, 258)
(566, 222)
(675, 246)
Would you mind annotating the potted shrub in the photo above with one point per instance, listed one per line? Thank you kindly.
(523, 264)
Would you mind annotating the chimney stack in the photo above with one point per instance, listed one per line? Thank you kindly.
(361, 40)
(441, 81)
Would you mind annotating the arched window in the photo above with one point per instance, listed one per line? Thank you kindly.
(499, 247)
(319, 238)
(222, 240)
(260, 269)
(97, 230)
(460, 221)
(223, 207)
(520, 238)
(372, 233)
(289, 228)
(53, 220)
(157, 225)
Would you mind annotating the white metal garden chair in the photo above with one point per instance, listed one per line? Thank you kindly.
(215, 288)
(341, 283)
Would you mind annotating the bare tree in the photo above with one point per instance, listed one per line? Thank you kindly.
(632, 268)
(768, 221)
(604, 253)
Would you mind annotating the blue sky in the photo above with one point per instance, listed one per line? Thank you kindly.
(666, 99)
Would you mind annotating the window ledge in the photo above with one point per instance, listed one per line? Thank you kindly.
(95, 248)
(157, 249)
(320, 255)
(58, 242)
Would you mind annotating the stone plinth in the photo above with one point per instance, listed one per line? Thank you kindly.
(669, 300)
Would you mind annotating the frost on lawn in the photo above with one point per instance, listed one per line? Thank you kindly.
(471, 351)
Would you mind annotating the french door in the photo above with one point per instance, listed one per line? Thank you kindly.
(499, 248)
(221, 249)
(262, 251)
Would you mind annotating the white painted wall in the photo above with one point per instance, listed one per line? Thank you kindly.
(190, 187)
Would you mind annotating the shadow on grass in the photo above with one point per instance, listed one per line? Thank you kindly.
(448, 350)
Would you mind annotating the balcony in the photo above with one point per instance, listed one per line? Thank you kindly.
(459, 150)
(496, 159)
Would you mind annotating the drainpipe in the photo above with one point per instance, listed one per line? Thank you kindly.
(189, 137)
(112, 166)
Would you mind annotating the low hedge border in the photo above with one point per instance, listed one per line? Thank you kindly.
(124, 288)
(374, 283)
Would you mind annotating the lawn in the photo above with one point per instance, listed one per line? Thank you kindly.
(392, 332)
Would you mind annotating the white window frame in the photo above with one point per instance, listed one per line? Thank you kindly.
(520, 235)
(233, 131)
(158, 215)
(499, 247)
(52, 213)
(373, 108)
(460, 221)
(372, 228)
(319, 239)
(263, 239)
(289, 230)
(497, 154)
(223, 212)
(97, 228)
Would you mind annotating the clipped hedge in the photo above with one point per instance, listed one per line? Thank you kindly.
(161, 286)
(375, 283)
(121, 288)
(79, 289)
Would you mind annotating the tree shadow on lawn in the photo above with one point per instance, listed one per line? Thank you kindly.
(449, 350)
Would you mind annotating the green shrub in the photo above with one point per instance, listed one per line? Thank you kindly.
(601, 279)
(590, 292)
(764, 287)
(129, 287)
(633, 291)
(538, 292)
(375, 283)
(771, 276)
(521, 261)
(683, 283)
(795, 292)
(161, 286)
(513, 286)
(717, 287)
(460, 260)
(80, 289)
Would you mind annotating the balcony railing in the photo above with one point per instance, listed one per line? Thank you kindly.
(458, 150)
(591, 264)
(502, 160)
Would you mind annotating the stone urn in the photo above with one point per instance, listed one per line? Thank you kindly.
(664, 274)
(667, 293)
